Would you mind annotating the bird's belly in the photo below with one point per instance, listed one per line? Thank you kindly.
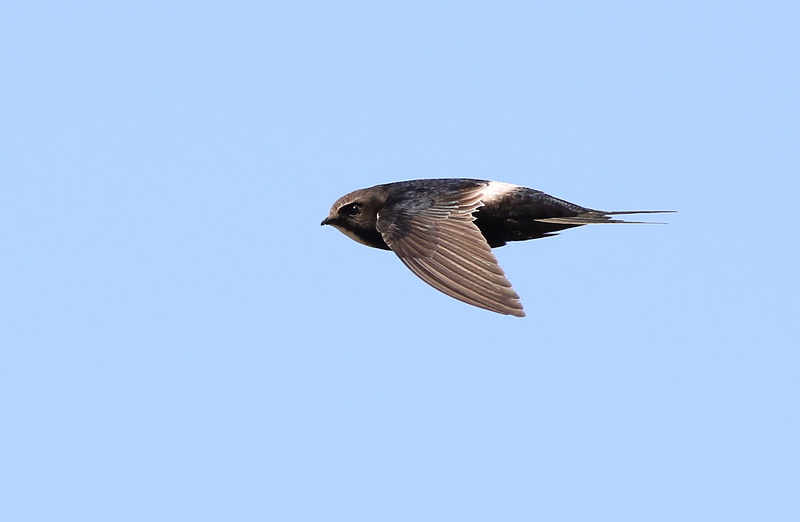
(499, 231)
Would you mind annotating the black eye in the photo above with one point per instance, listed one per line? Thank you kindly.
(352, 210)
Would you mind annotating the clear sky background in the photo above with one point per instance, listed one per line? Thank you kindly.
(181, 340)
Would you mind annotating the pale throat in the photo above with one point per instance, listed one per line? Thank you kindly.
(352, 235)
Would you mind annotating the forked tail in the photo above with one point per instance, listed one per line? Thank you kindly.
(598, 216)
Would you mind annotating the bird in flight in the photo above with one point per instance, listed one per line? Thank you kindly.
(444, 230)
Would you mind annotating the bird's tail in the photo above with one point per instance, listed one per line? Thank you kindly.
(599, 216)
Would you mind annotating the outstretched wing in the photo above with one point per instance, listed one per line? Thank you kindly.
(433, 233)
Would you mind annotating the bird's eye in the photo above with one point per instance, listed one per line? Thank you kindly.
(352, 210)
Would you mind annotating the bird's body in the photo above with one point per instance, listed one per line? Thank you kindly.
(444, 229)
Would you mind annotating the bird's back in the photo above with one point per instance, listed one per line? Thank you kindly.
(515, 214)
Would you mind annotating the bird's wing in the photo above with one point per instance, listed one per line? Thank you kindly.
(436, 237)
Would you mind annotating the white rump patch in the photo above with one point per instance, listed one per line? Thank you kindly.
(496, 190)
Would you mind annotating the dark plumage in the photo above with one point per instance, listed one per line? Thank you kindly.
(444, 229)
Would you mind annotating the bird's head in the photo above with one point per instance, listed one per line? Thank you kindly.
(356, 216)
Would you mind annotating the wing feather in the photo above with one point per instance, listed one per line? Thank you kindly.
(435, 236)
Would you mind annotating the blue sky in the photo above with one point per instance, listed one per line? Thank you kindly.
(181, 340)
